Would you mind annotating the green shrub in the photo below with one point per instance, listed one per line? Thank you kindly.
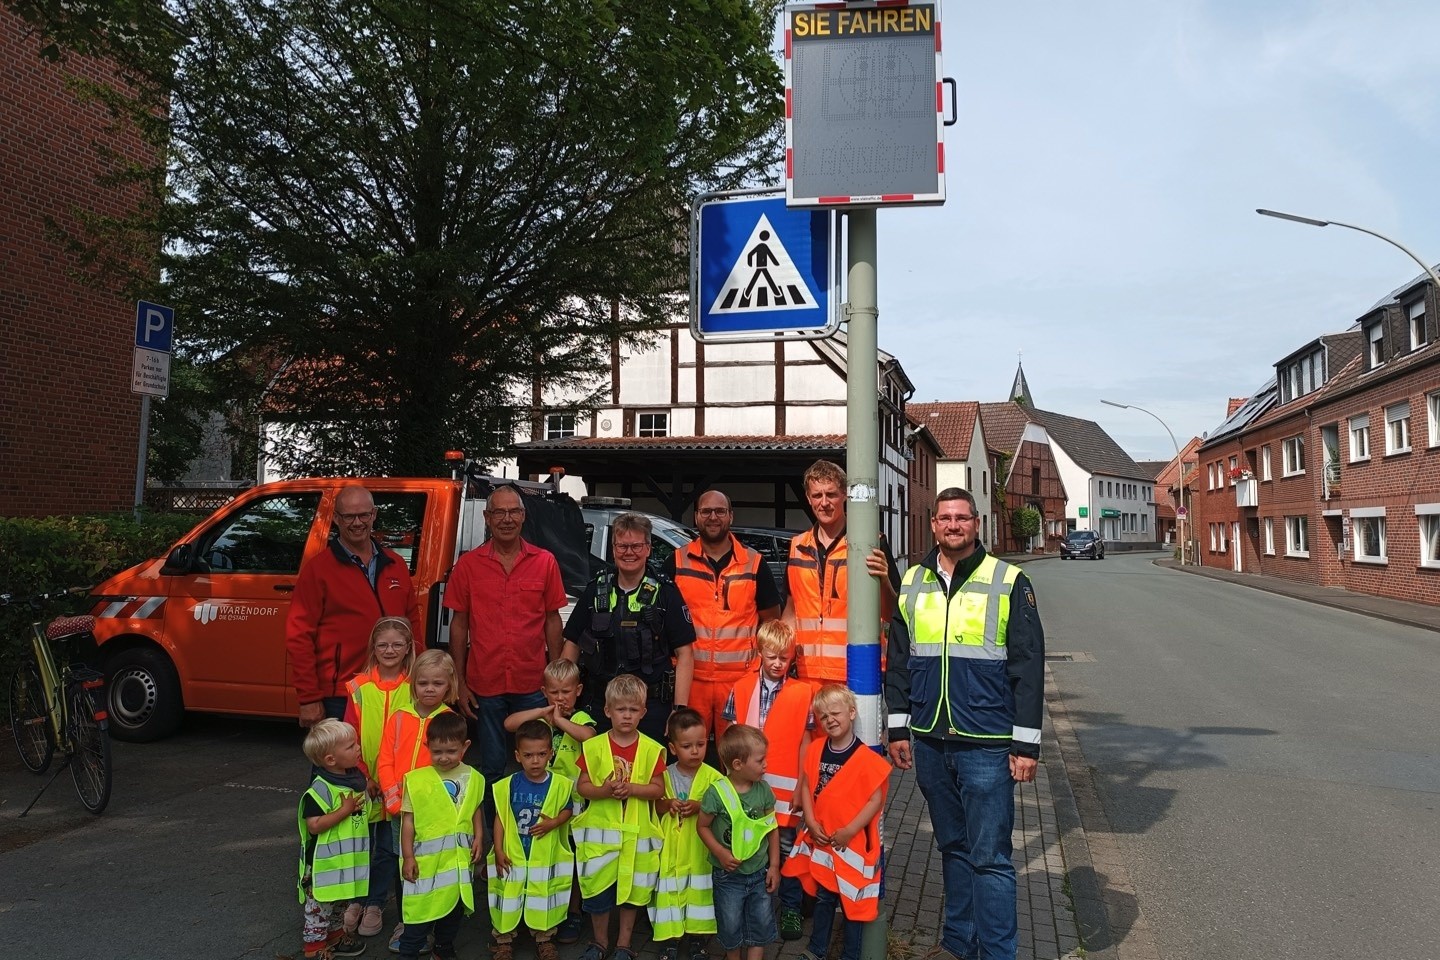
(1025, 521)
(46, 554)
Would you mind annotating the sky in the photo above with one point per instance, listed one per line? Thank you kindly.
(1101, 191)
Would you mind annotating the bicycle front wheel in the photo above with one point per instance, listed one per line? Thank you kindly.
(90, 745)
(30, 717)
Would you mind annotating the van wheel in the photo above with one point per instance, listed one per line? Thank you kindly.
(143, 691)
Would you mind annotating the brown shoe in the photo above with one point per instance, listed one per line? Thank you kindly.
(502, 951)
(546, 951)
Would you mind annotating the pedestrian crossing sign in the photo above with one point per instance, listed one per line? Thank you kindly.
(761, 271)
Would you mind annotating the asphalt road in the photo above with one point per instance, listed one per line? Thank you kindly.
(1269, 767)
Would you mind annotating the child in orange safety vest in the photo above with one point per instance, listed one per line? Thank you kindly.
(841, 791)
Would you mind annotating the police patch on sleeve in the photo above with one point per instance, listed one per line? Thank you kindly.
(1030, 597)
(686, 610)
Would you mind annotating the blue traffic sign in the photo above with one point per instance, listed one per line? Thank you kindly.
(154, 326)
(760, 270)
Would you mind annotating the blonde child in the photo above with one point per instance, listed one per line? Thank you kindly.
(620, 774)
(375, 694)
(403, 748)
(332, 817)
(442, 834)
(842, 787)
(737, 825)
(531, 862)
(684, 906)
(570, 728)
(768, 698)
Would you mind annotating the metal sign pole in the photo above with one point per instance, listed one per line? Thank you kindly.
(144, 452)
(862, 522)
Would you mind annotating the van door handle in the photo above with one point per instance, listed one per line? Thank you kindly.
(285, 587)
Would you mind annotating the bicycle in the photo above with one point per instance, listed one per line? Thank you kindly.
(53, 704)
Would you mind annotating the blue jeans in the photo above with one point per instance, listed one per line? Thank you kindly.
(744, 915)
(826, 903)
(412, 941)
(490, 723)
(384, 864)
(792, 895)
(972, 810)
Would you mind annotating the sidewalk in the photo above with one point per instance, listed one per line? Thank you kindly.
(1422, 615)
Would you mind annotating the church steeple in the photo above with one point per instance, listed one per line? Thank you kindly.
(1020, 390)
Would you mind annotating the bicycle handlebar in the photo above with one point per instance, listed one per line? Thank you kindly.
(9, 599)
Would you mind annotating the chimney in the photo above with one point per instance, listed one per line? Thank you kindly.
(1235, 404)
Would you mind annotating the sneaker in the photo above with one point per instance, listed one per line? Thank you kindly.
(399, 931)
(502, 951)
(371, 921)
(671, 952)
(351, 919)
(546, 951)
(791, 925)
(698, 951)
(569, 929)
(596, 951)
(348, 945)
(623, 953)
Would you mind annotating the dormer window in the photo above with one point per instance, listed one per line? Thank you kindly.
(1417, 324)
(1301, 376)
(1374, 345)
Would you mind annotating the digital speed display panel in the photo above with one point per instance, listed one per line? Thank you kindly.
(864, 120)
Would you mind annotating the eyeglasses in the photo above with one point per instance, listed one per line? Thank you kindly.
(393, 646)
(514, 513)
(954, 519)
(355, 517)
(631, 547)
(712, 512)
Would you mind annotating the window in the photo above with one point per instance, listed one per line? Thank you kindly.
(1144, 522)
(1374, 345)
(1035, 480)
(1209, 476)
(266, 536)
(1369, 532)
(1234, 469)
(1428, 516)
(1417, 324)
(1432, 410)
(1397, 428)
(653, 425)
(399, 521)
(1302, 376)
(1297, 542)
(1270, 536)
(969, 478)
(558, 426)
(1212, 538)
(1265, 462)
(1293, 452)
(1220, 529)
(984, 481)
(1360, 437)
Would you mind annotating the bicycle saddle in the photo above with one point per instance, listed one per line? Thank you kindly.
(62, 627)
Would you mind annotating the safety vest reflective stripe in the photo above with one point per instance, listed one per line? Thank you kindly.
(1025, 734)
(747, 833)
(357, 876)
(425, 848)
(338, 866)
(737, 657)
(820, 623)
(427, 885)
(595, 865)
(597, 835)
(336, 848)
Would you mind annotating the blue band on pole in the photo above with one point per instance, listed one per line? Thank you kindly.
(862, 668)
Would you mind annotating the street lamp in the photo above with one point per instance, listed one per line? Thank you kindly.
(1182, 514)
(1350, 226)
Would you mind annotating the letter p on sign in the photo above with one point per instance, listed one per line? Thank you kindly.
(154, 326)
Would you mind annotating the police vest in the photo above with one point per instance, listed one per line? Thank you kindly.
(339, 867)
(684, 898)
(623, 641)
(784, 727)
(374, 706)
(537, 887)
(444, 836)
(853, 872)
(617, 843)
(958, 675)
(747, 833)
(722, 607)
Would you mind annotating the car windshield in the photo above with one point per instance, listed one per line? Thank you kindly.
(1080, 536)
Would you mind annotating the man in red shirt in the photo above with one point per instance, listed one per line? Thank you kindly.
(505, 596)
(339, 595)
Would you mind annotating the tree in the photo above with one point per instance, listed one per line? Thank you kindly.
(385, 220)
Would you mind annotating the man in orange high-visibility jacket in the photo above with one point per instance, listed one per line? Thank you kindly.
(819, 582)
(730, 592)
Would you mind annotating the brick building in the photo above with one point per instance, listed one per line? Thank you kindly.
(922, 459)
(69, 425)
(1027, 475)
(1330, 474)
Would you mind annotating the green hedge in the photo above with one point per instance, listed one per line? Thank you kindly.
(45, 554)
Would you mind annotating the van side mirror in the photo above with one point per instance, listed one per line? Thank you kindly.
(181, 560)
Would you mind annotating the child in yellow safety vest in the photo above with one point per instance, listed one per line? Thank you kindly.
(841, 789)
(375, 694)
(334, 838)
(684, 904)
(737, 824)
(617, 836)
(569, 729)
(531, 863)
(442, 833)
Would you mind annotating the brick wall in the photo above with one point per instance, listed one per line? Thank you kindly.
(1020, 492)
(69, 425)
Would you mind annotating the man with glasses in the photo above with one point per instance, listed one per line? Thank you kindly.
(730, 592)
(630, 622)
(505, 598)
(340, 593)
(964, 690)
